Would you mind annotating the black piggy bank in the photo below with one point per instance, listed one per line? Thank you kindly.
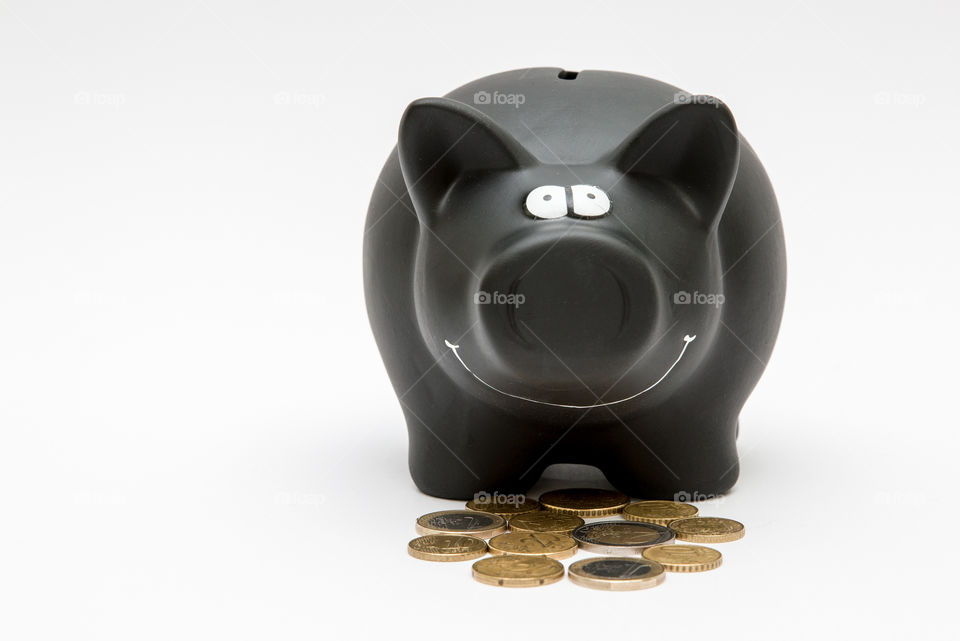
(568, 267)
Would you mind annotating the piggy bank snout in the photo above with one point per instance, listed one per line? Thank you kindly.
(569, 308)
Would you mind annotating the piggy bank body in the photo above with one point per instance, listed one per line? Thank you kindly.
(573, 268)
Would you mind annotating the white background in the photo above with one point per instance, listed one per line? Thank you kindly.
(198, 437)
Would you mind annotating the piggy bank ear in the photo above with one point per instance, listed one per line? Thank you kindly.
(693, 145)
(442, 141)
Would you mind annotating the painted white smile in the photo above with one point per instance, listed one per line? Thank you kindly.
(687, 339)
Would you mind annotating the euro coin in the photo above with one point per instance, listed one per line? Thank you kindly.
(513, 571)
(546, 522)
(585, 502)
(446, 547)
(552, 546)
(707, 529)
(659, 512)
(684, 558)
(504, 509)
(617, 573)
(478, 524)
(621, 537)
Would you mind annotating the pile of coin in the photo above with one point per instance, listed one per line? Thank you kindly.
(642, 546)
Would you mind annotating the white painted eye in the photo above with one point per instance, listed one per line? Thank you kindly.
(589, 201)
(548, 201)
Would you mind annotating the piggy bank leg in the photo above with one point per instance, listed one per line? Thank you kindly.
(458, 451)
(674, 457)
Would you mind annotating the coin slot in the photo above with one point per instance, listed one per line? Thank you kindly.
(568, 75)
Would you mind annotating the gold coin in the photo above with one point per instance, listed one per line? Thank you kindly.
(446, 547)
(478, 524)
(617, 573)
(546, 522)
(659, 512)
(707, 529)
(684, 558)
(584, 501)
(506, 510)
(552, 546)
(513, 571)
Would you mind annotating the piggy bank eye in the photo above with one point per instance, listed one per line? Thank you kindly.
(589, 201)
(548, 201)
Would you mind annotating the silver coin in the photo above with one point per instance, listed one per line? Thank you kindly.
(617, 573)
(621, 537)
(479, 524)
(462, 521)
